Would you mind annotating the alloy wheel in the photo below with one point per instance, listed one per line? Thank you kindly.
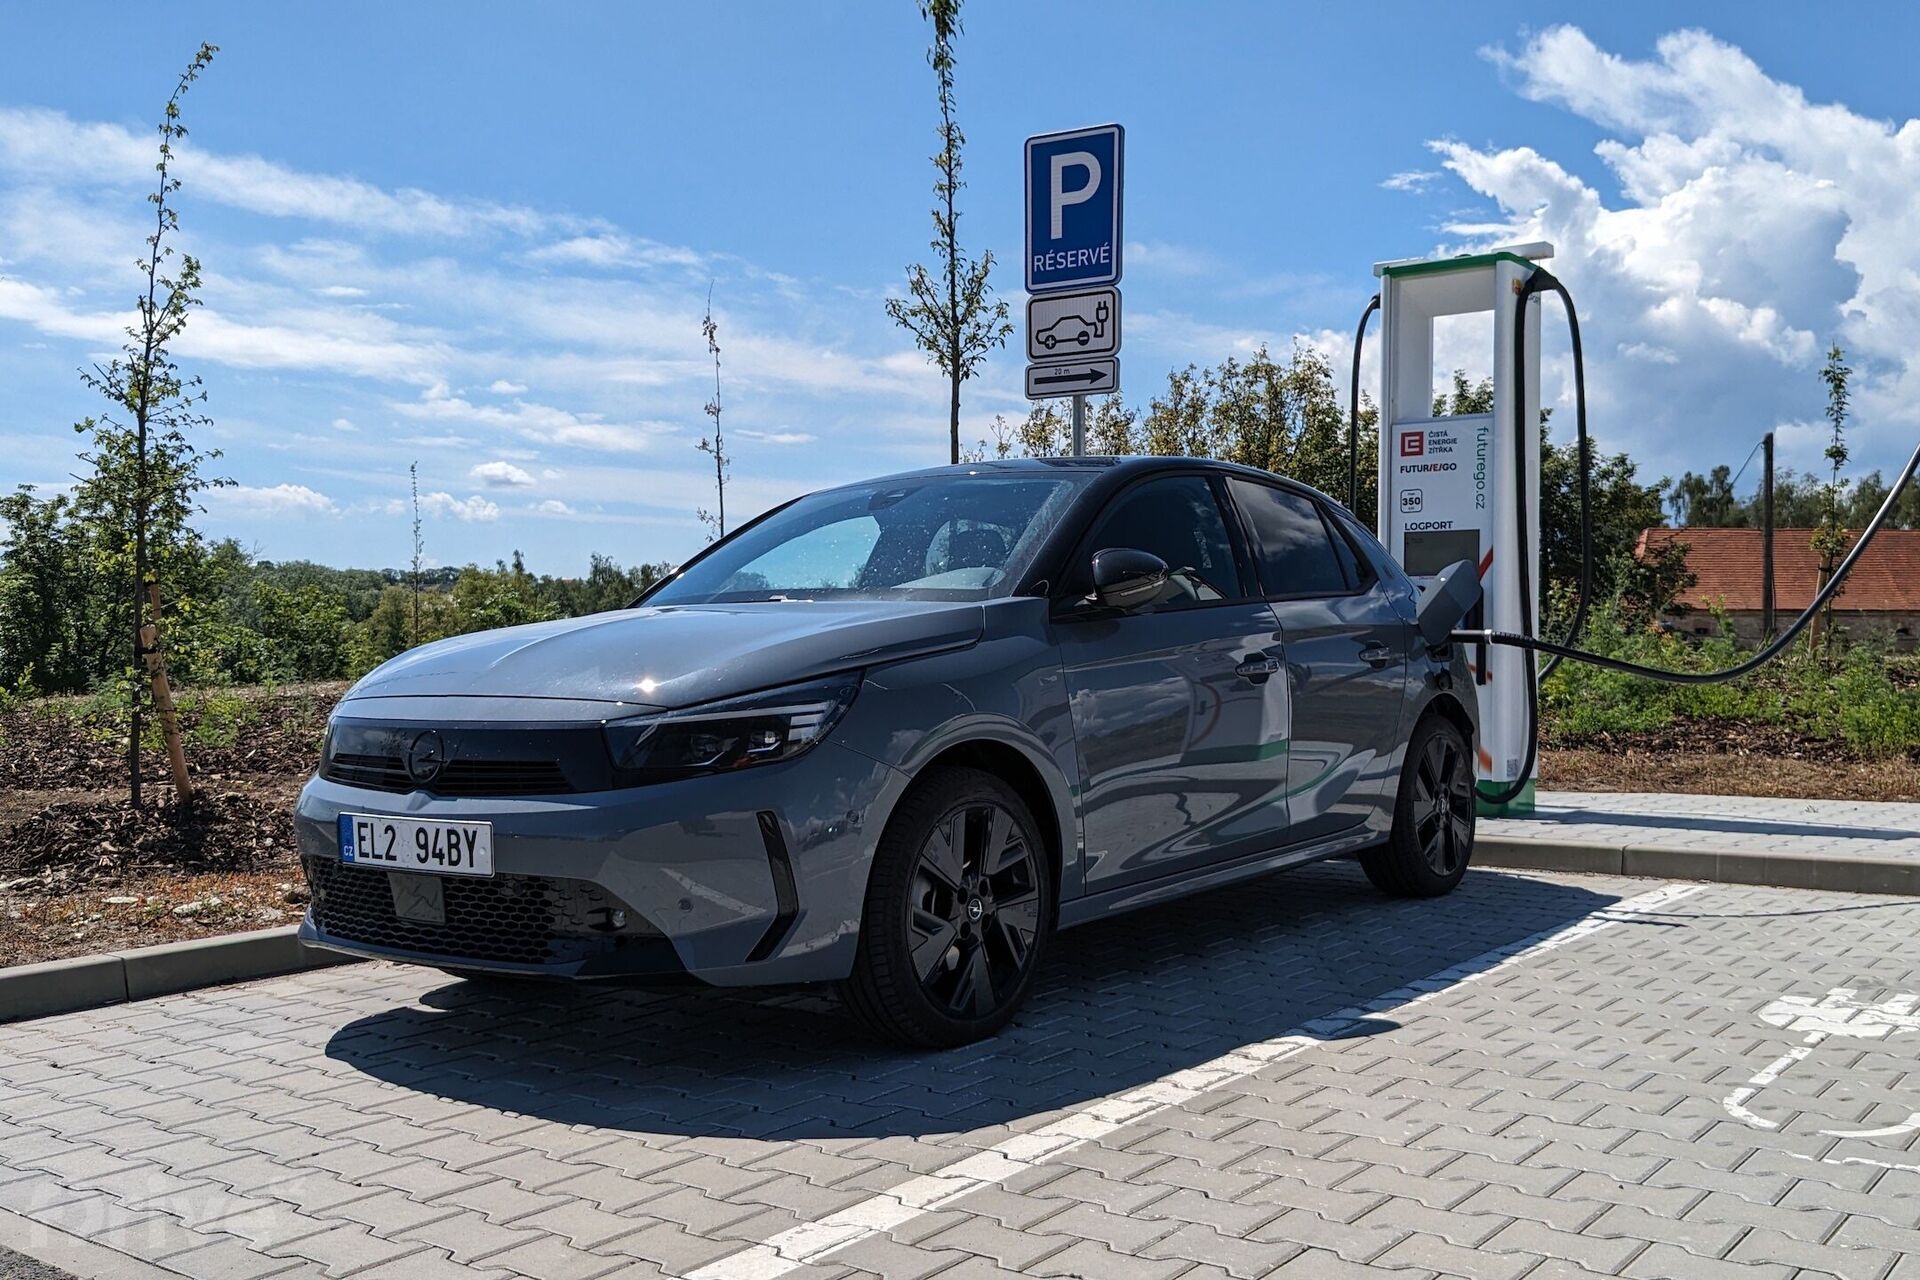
(974, 911)
(1443, 805)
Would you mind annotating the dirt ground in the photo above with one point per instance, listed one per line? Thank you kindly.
(1724, 774)
(80, 873)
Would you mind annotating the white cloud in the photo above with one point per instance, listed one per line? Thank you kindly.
(612, 249)
(500, 475)
(553, 507)
(1410, 180)
(501, 387)
(344, 424)
(44, 144)
(275, 500)
(538, 422)
(473, 508)
(1753, 228)
(1173, 259)
(776, 437)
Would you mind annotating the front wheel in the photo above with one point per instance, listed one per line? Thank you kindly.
(1433, 817)
(959, 910)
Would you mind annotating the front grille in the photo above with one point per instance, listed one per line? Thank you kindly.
(356, 769)
(458, 778)
(478, 760)
(505, 919)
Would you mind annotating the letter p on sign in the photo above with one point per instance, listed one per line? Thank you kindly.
(1062, 197)
(1073, 199)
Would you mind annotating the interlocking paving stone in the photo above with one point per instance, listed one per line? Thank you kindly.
(1558, 1115)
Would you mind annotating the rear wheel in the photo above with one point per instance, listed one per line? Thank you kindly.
(1433, 817)
(959, 909)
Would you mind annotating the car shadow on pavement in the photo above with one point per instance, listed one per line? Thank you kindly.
(1118, 1004)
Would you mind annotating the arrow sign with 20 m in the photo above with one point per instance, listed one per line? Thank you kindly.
(1083, 377)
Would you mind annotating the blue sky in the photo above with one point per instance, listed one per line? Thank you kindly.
(481, 236)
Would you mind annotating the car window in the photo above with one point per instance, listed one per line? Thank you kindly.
(1375, 564)
(1353, 559)
(829, 557)
(940, 537)
(1293, 548)
(1178, 519)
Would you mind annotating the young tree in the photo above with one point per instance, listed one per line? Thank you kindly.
(717, 446)
(952, 315)
(1830, 539)
(1111, 428)
(145, 471)
(419, 548)
(50, 637)
(1046, 433)
(1176, 422)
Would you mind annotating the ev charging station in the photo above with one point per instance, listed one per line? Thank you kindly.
(1446, 482)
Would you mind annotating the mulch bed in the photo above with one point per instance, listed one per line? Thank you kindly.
(1690, 736)
(72, 843)
(1805, 776)
(145, 911)
(51, 745)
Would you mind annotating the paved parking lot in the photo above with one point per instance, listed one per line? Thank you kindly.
(1539, 1076)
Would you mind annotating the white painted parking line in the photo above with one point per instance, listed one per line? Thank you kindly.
(812, 1241)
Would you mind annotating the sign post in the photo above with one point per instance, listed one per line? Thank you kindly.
(1073, 251)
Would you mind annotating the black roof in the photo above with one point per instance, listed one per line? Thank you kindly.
(1119, 467)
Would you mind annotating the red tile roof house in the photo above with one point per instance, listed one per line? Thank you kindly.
(1881, 595)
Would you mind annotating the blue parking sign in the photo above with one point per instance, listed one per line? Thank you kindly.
(1073, 207)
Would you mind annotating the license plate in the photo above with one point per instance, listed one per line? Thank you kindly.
(411, 844)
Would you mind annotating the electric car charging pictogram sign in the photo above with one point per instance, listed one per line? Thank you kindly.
(1072, 326)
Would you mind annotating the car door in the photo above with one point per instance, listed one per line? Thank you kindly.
(1179, 718)
(1345, 654)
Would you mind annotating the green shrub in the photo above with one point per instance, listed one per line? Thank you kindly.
(1867, 697)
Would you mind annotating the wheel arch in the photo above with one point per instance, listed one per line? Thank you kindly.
(1450, 708)
(1015, 768)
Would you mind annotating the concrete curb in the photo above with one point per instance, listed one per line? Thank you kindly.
(64, 1255)
(1852, 874)
(87, 982)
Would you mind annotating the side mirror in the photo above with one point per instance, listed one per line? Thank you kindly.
(1126, 579)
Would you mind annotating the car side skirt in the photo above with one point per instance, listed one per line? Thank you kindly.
(1133, 897)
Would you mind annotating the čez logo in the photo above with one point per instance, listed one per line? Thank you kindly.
(1413, 444)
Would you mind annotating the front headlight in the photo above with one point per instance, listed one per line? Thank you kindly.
(760, 728)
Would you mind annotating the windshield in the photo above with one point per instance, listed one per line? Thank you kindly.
(946, 538)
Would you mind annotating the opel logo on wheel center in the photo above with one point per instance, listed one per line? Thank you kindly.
(976, 909)
(426, 757)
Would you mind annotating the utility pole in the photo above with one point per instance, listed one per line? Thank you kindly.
(1766, 540)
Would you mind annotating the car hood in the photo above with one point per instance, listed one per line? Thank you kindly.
(673, 656)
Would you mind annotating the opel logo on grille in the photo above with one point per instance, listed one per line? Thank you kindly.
(426, 756)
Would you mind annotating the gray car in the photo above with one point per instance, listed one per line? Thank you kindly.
(894, 735)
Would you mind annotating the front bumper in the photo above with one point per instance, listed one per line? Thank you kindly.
(753, 878)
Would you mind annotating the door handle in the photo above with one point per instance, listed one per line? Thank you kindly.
(1258, 667)
(1376, 655)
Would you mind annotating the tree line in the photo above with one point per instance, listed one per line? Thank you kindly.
(230, 618)
(1285, 416)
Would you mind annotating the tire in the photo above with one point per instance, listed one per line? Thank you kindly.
(958, 914)
(1433, 817)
